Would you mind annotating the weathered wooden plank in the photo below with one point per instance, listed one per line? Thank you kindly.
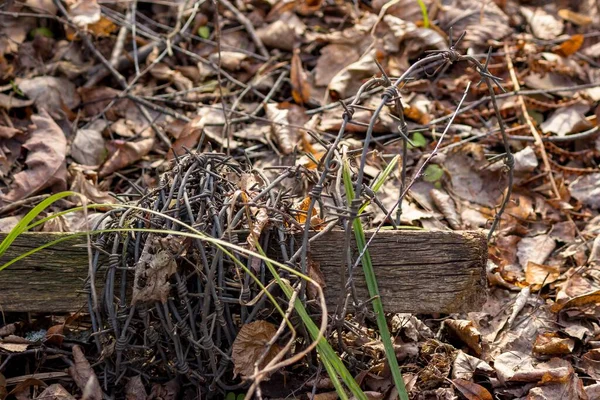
(417, 271)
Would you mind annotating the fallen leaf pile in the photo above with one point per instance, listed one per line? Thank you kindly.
(100, 97)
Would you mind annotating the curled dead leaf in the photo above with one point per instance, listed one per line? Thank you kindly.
(551, 344)
(300, 85)
(249, 346)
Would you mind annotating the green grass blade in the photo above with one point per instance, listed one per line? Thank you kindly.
(373, 288)
(380, 180)
(424, 13)
(23, 224)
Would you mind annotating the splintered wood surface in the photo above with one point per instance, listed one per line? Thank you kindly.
(417, 271)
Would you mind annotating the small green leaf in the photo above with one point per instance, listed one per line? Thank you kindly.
(230, 396)
(418, 140)
(204, 32)
(241, 396)
(433, 173)
(41, 31)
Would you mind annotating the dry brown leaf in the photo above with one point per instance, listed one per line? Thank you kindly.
(47, 147)
(134, 390)
(466, 332)
(152, 273)
(103, 28)
(21, 390)
(574, 17)
(334, 57)
(3, 391)
(249, 346)
(260, 221)
(535, 249)
(55, 95)
(125, 153)
(540, 274)
(88, 147)
(55, 335)
(586, 189)
(84, 376)
(465, 366)
(80, 184)
(168, 391)
(286, 136)
(551, 344)
(567, 120)
(592, 298)
(472, 391)
(300, 85)
(55, 392)
(569, 46)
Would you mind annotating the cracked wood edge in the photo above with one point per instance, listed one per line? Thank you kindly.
(417, 271)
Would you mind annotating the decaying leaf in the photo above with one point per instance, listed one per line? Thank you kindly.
(334, 57)
(300, 85)
(47, 147)
(465, 366)
(134, 390)
(286, 136)
(586, 189)
(55, 391)
(58, 96)
(551, 344)
(472, 391)
(535, 249)
(83, 375)
(260, 221)
(152, 272)
(125, 153)
(466, 332)
(543, 25)
(249, 345)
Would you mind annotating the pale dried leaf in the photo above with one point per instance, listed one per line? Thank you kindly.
(55, 392)
(465, 366)
(346, 82)
(567, 120)
(83, 375)
(152, 273)
(88, 147)
(586, 189)
(535, 249)
(286, 136)
(543, 25)
(55, 95)
(84, 12)
(538, 274)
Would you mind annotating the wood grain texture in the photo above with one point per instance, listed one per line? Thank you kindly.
(417, 271)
